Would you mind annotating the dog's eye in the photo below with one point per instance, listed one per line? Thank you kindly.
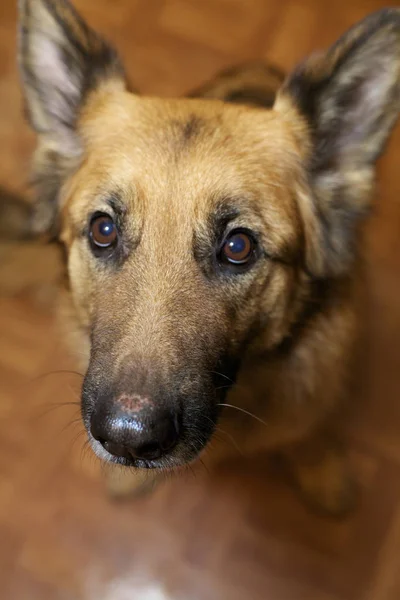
(103, 231)
(238, 248)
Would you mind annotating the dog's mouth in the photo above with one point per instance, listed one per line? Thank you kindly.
(160, 427)
(157, 437)
(171, 452)
(184, 453)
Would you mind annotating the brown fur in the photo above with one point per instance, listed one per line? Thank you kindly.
(300, 175)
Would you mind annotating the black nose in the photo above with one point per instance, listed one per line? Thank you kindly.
(146, 435)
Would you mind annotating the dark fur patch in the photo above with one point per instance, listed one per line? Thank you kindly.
(129, 234)
(348, 125)
(252, 96)
(15, 217)
(192, 128)
(205, 242)
(253, 84)
(307, 84)
(324, 293)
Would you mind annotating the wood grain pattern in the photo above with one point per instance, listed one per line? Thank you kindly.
(239, 534)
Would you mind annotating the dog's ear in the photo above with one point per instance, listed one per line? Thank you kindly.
(349, 100)
(61, 62)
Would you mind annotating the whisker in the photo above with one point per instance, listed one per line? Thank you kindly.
(44, 376)
(85, 451)
(52, 406)
(246, 412)
(76, 438)
(209, 419)
(190, 468)
(58, 372)
(228, 435)
(104, 465)
(204, 466)
(231, 439)
(71, 423)
(222, 375)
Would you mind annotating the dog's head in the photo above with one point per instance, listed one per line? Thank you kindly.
(195, 229)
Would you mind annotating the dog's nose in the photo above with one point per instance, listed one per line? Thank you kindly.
(144, 435)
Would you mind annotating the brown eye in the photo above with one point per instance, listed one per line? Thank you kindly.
(103, 231)
(238, 248)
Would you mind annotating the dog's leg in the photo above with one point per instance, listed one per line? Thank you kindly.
(316, 464)
(130, 483)
(322, 475)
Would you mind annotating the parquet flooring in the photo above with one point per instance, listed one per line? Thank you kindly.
(239, 534)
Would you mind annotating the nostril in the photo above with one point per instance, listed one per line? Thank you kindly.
(149, 451)
(170, 438)
(124, 438)
(165, 439)
(117, 450)
(95, 430)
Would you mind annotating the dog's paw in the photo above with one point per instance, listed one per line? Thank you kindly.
(328, 487)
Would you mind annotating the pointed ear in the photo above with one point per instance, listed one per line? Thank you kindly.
(61, 61)
(349, 99)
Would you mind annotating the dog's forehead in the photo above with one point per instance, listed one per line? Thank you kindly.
(197, 149)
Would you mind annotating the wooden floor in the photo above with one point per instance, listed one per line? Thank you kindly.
(239, 534)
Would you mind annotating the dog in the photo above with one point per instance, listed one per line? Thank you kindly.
(212, 243)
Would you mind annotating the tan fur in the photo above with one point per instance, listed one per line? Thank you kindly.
(172, 163)
(302, 392)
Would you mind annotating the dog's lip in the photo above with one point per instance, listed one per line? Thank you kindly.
(167, 463)
(102, 453)
(183, 454)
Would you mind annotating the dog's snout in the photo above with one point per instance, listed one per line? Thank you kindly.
(134, 429)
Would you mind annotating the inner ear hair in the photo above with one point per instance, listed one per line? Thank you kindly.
(61, 61)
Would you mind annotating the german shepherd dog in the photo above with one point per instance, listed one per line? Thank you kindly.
(212, 243)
